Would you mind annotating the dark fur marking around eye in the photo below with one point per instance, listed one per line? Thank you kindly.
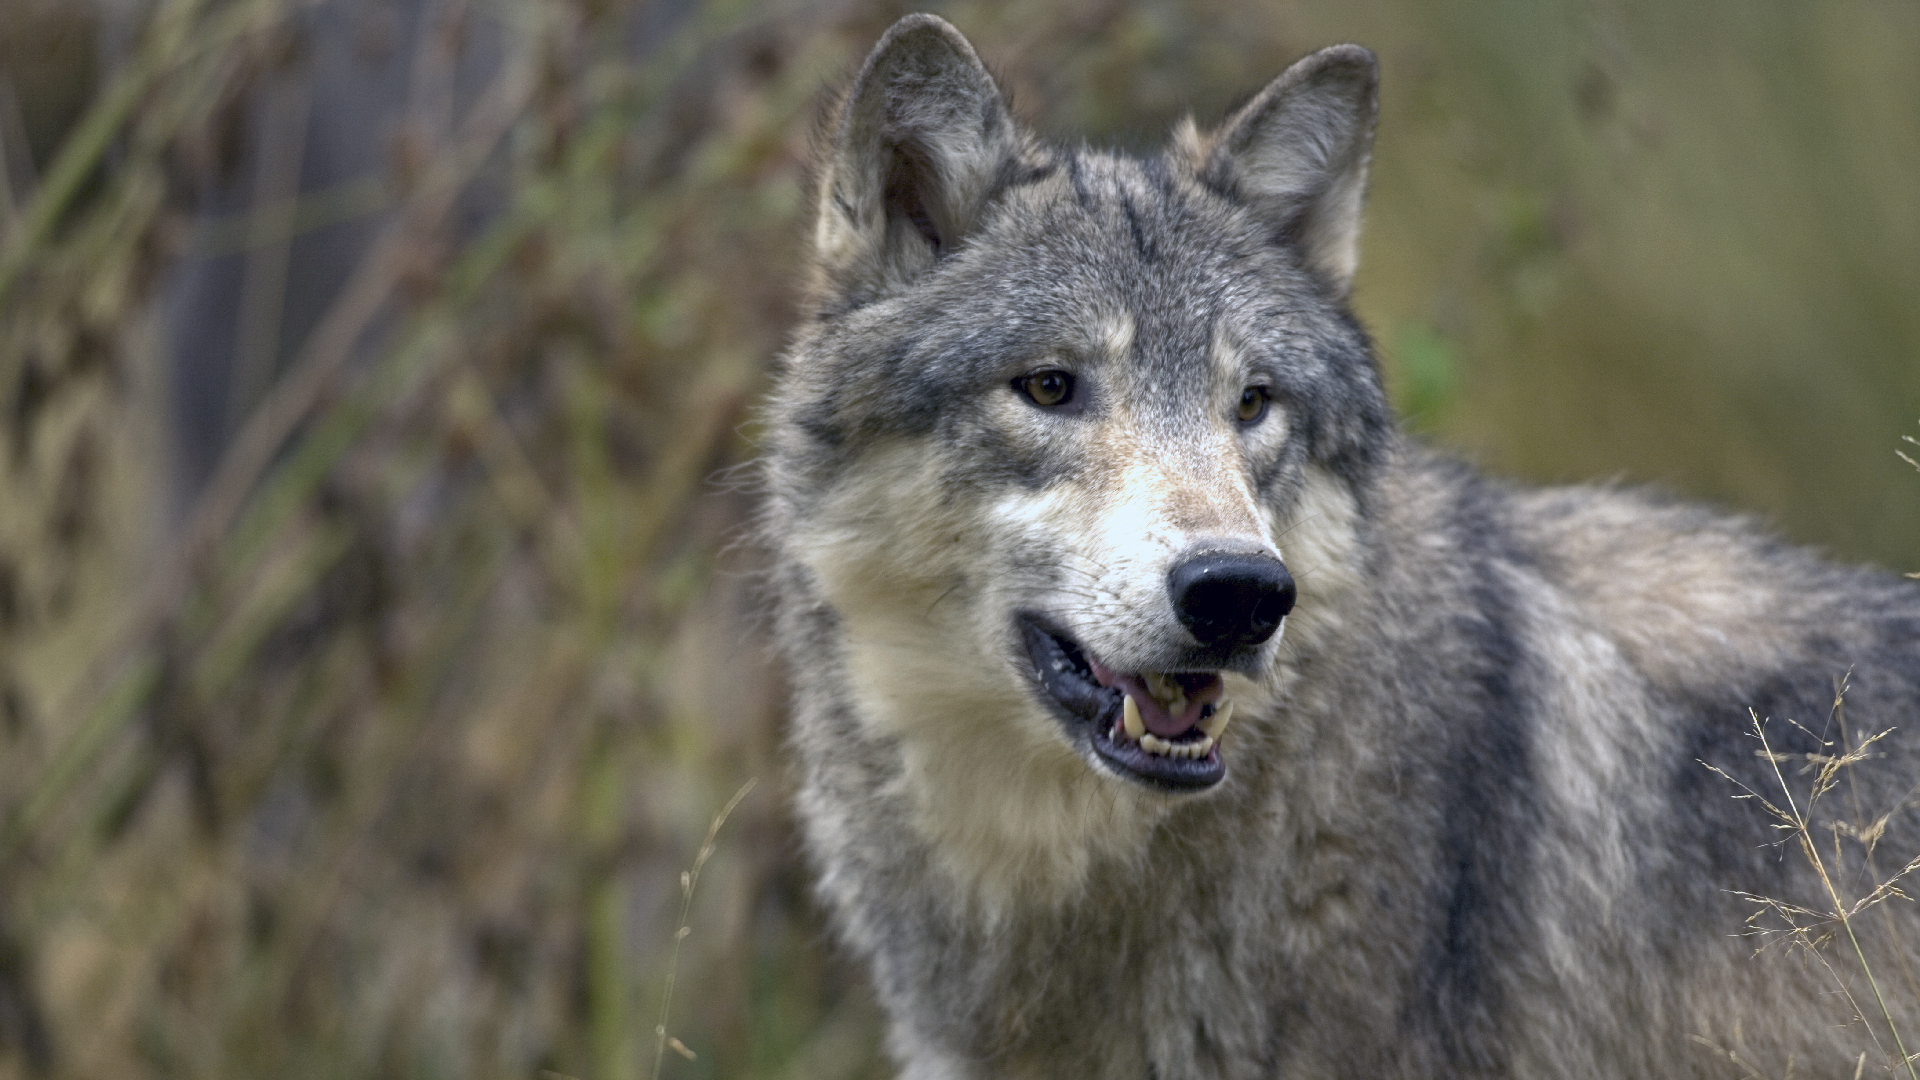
(1255, 403)
(1051, 389)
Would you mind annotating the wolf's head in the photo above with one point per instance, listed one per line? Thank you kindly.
(1070, 439)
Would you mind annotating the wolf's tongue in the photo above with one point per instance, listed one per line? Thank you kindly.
(1155, 715)
(1159, 720)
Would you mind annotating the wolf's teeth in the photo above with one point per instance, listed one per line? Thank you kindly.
(1154, 744)
(1166, 690)
(1217, 723)
(1130, 717)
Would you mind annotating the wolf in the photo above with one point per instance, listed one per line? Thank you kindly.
(1160, 711)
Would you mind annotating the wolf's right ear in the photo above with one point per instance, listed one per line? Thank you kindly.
(916, 147)
(1298, 151)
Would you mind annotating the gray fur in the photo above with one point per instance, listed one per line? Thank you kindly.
(1464, 829)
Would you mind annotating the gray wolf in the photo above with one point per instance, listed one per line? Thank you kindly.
(1161, 712)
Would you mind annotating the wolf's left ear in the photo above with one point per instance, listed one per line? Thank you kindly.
(918, 143)
(1298, 154)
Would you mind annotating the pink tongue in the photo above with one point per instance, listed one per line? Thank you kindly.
(1158, 719)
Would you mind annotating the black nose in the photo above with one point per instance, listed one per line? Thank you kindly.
(1231, 600)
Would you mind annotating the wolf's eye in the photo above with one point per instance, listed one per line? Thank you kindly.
(1253, 404)
(1047, 388)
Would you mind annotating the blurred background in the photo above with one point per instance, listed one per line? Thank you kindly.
(379, 628)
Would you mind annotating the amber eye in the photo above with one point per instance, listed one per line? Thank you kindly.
(1253, 404)
(1048, 388)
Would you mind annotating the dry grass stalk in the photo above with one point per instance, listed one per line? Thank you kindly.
(688, 880)
(1916, 464)
(1812, 928)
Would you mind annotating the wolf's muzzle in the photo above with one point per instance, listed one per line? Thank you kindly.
(1231, 600)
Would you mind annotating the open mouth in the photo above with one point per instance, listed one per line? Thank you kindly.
(1160, 727)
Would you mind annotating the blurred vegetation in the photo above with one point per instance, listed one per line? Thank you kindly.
(378, 746)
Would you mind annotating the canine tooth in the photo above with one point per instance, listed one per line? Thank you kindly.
(1130, 716)
(1165, 690)
(1217, 723)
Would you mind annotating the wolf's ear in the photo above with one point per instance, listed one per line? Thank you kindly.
(1297, 152)
(917, 144)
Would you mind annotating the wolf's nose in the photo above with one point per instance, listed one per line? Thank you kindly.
(1231, 599)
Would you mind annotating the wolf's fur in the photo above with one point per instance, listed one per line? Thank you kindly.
(1464, 829)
